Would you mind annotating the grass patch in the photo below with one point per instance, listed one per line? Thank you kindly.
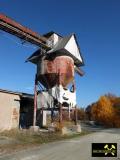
(26, 139)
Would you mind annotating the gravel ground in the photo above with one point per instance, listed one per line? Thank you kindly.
(72, 149)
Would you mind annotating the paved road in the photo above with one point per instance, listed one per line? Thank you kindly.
(74, 149)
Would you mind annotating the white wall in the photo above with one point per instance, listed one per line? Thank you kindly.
(9, 111)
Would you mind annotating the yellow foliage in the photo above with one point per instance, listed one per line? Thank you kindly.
(106, 111)
(102, 111)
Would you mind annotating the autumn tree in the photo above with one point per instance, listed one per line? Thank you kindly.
(81, 115)
(116, 106)
(111, 97)
(102, 111)
(88, 111)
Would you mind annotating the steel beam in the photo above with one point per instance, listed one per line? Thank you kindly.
(14, 28)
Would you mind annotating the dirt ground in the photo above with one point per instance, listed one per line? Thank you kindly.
(16, 140)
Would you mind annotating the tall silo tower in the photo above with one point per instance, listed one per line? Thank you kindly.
(56, 71)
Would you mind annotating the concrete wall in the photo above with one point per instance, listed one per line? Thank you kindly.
(9, 111)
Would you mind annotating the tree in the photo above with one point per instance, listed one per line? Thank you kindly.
(103, 112)
(88, 112)
(81, 114)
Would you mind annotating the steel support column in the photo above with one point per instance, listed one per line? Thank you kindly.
(35, 102)
(60, 114)
(76, 118)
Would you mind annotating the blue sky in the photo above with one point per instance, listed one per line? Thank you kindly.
(97, 26)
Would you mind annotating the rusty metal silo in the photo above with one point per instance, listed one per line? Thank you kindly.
(56, 69)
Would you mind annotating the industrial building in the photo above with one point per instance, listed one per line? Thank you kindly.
(57, 60)
(16, 110)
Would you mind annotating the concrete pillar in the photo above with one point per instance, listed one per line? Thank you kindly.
(44, 118)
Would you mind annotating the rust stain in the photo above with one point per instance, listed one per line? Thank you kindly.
(60, 70)
(15, 114)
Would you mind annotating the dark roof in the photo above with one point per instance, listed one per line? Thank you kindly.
(27, 95)
(47, 35)
(58, 49)
(11, 92)
(60, 44)
(34, 57)
(24, 95)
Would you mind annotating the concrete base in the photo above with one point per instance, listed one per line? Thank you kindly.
(78, 128)
(71, 129)
(51, 128)
(65, 131)
(34, 128)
